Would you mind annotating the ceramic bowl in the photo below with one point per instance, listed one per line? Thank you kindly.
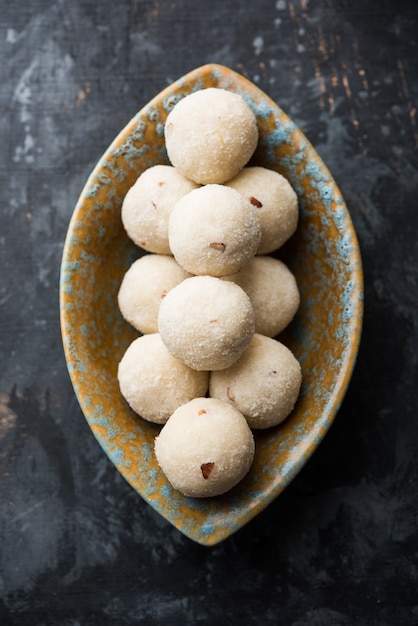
(323, 254)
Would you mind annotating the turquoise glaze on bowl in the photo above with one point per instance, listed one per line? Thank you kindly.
(323, 254)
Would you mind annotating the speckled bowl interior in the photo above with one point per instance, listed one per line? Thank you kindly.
(324, 336)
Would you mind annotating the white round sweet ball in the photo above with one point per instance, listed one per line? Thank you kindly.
(148, 204)
(263, 384)
(273, 291)
(276, 201)
(206, 322)
(154, 383)
(210, 135)
(205, 448)
(144, 286)
(213, 230)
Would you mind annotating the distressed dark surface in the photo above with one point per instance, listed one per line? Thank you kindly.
(77, 545)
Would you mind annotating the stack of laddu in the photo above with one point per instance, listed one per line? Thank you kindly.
(208, 298)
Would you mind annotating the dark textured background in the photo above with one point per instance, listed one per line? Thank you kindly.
(77, 546)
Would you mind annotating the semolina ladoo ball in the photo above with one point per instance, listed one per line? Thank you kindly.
(206, 322)
(144, 285)
(205, 448)
(263, 384)
(213, 230)
(276, 201)
(210, 135)
(273, 291)
(154, 383)
(147, 206)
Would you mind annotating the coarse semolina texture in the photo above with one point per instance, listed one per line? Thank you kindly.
(276, 201)
(144, 285)
(148, 203)
(263, 384)
(210, 135)
(273, 292)
(214, 231)
(206, 322)
(205, 448)
(154, 383)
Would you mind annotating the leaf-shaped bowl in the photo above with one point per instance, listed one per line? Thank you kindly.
(323, 254)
